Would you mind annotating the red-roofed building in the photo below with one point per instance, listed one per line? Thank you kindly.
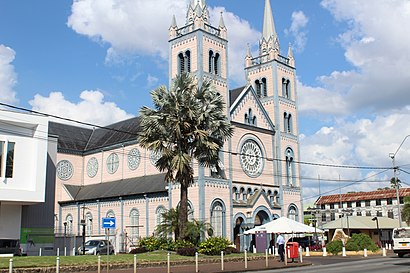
(381, 203)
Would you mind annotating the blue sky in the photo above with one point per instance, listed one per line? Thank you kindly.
(96, 61)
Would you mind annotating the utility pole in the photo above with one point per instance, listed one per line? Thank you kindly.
(396, 181)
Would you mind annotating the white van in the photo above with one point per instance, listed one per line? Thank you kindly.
(401, 241)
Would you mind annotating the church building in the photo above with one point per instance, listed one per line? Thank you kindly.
(104, 173)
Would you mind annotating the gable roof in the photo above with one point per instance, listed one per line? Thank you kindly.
(120, 188)
(80, 139)
(237, 95)
(361, 196)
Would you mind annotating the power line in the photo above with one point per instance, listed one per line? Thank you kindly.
(228, 152)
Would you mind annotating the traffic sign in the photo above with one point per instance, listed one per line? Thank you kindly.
(108, 222)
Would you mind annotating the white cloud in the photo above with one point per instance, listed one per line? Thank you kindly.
(8, 77)
(128, 26)
(141, 27)
(379, 52)
(92, 108)
(298, 30)
(151, 81)
(362, 142)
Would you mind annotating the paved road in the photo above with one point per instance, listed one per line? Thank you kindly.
(355, 265)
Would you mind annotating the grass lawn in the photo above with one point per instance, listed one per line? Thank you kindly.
(156, 256)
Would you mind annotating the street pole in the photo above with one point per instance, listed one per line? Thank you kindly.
(378, 229)
(396, 185)
(65, 232)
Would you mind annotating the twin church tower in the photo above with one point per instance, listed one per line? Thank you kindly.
(261, 163)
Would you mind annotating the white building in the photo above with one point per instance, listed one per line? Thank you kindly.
(380, 203)
(25, 183)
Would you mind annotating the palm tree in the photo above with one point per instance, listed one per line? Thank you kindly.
(187, 123)
(169, 223)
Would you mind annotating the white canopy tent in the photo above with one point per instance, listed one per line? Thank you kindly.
(285, 226)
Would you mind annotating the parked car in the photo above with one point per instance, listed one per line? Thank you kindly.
(96, 247)
(11, 246)
(303, 241)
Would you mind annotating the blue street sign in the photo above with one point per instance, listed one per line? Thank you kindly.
(108, 222)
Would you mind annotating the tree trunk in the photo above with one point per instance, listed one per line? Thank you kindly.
(183, 211)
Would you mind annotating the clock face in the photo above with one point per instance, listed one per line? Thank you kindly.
(92, 167)
(134, 159)
(112, 163)
(64, 170)
(251, 158)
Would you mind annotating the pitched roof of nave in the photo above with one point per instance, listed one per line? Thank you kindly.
(81, 139)
(77, 139)
(120, 188)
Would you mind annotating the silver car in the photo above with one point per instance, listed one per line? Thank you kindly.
(96, 247)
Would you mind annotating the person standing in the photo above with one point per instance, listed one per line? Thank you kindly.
(280, 241)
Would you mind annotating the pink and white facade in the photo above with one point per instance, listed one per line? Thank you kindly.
(105, 173)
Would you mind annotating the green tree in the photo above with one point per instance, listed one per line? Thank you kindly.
(394, 182)
(169, 223)
(405, 211)
(187, 123)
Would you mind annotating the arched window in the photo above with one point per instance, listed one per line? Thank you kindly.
(286, 88)
(216, 64)
(293, 212)
(188, 61)
(264, 87)
(218, 218)
(158, 213)
(190, 211)
(184, 62)
(270, 196)
(250, 118)
(258, 87)
(69, 221)
(111, 214)
(287, 123)
(242, 194)
(211, 61)
(290, 168)
(89, 224)
(134, 223)
(181, 63)
(234, 193)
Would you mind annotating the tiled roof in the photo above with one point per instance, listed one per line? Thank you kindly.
(121, 188)
(234, 93)
(79, 139)
(361, 196)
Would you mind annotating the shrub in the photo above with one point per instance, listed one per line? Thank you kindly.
(214, 245)
(334, 247)
(352, 245)
(150, 243)
(183, 244)
(138, 250)
(186, 251)
(362, 241)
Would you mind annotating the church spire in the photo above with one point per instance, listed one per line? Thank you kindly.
(268, 25)
(197, 9)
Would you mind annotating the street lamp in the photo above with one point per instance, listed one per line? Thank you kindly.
(65, 231)
(378, 229)
(393, 157)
